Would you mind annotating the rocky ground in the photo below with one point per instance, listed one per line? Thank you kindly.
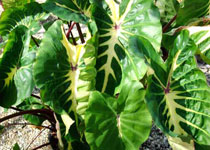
(156, 141)
(205, 68)
(24, 135)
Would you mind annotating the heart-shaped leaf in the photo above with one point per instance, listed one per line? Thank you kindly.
(179, 102)
(16, 80)
(65, 72)
(115, 25)
(118, 123)
(16, 63)
(27, 15)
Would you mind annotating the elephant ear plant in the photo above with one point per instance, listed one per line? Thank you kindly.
(101, 86)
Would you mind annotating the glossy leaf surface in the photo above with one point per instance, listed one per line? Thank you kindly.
(69, 10)
(64, 72)
(132, 71)
(179, 101)
(201, 36)
(123, 123)
(28, 16)
(115, 26)
(190, 10)
(16, 80)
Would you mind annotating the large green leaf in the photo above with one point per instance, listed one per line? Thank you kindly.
(14, 3)
(27, 15)
(179, 102)
(16, 73)
(115, 26)
(201, 36)
(16, 80)
(64, 72)
(87, 75)
(132, 72)
(69, 10)
(192, 9)
(122, 123)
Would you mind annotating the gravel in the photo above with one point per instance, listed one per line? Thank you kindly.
(156, 141)
(205, 68)
(23, 135)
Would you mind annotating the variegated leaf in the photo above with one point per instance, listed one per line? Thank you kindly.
(178, 144)
(84, 6)
(16, 80)
(191, 10)
(201, 36)
(28, 16)
(115, 26)
(86, 83)
(69, 10)
(64, 72)
(17, 59)
(179, 101)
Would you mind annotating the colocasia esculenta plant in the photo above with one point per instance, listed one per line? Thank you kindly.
(101, 88)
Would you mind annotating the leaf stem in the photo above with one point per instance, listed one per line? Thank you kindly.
(33, 95)
(43, 145)
(165, 28)
(34, 111)
(37, 44)
(17, 109)
(74, 41)
(80, 33)
(69, 31)
(39, 115)
(72, 36)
